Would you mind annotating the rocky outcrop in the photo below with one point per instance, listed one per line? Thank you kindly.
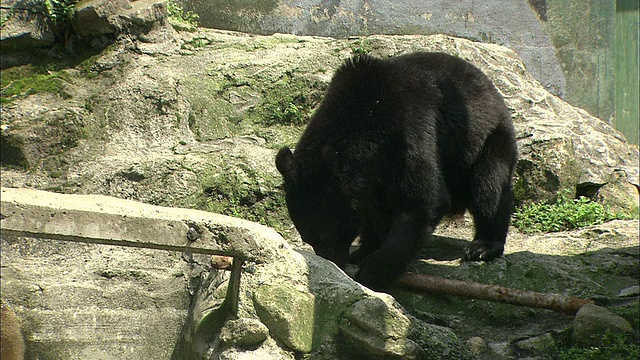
(305, 302)
(24, 26)
(178, 109)
(92, 25)
(286, 302)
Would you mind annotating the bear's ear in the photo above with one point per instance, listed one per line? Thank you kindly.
(284, 162)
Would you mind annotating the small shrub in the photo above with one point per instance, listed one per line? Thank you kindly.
(566, 214)
(289, 101)
(237, 190)
(176, 12)
(281, 113)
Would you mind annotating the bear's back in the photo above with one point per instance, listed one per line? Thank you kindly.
(425, 95)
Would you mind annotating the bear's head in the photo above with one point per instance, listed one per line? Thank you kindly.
(314, 205)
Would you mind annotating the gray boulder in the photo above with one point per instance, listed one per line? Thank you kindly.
(593, 323)
(245, 333)
(97, 17)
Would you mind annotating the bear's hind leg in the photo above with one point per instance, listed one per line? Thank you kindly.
(491, 202)
(491, 226)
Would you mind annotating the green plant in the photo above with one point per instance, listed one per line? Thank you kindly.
(177, 13)
(236, 189)
(566, 213)
(281, 113)
(361, 46)
(59, 13)
(289, 101)
(5, 15)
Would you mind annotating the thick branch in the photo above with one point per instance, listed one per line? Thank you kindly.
(425, 283)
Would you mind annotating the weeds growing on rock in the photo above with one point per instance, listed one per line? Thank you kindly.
(362, 46)
(234, 188)
(59, 14)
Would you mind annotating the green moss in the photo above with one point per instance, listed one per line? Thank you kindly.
(289, 101)
(616, 347)
(278, 136)
(232, 187)
(27, 80)
(271, 100)
(211, 116)
(288, 313)
(630, 312)
(11, 154)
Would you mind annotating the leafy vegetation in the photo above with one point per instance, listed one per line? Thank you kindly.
(289, 101)
(58, 14)
(282, 113)
(566, 214)
(362, 46)
(177, 13)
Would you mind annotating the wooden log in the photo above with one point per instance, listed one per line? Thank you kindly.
(425, 283)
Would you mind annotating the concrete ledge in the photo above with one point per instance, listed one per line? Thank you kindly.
(107, 220)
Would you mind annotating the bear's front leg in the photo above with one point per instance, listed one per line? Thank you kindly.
(382, 266)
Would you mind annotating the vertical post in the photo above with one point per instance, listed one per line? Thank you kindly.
(233, 291)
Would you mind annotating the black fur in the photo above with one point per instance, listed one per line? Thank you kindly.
(396, 145)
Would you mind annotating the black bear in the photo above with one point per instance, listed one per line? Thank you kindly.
(395, 145)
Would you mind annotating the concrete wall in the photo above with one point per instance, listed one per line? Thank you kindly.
(512, 23)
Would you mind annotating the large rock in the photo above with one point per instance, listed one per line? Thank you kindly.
(245, 333)
(198, 127)
(95, 17)
(94, 301)
(93, 24)
(23, 26)
(288, 313)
